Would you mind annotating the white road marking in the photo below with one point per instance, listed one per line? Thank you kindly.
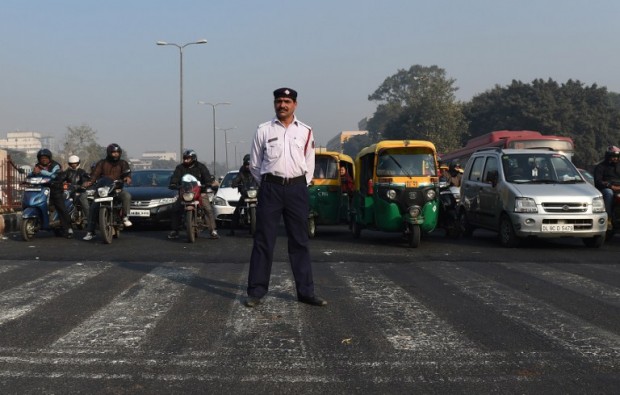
(7, 267)
(406, 322)
(571, 332)
(21, 300)
(125, 322)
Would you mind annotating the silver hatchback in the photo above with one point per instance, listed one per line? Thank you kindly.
(521, 193)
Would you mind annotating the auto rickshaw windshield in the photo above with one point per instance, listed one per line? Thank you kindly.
(325, 167)
(416, 162)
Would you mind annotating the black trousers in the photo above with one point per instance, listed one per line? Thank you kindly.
(58, 201)
(289, 202)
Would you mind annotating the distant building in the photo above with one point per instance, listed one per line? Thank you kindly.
(139, 164)
(159, 155)
(29, 142)
(336, 143)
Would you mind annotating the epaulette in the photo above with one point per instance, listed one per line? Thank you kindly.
(304, 125)
(264, 124)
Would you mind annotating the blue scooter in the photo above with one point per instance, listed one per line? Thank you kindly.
(37, 213)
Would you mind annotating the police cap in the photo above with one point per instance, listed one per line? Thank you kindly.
(285, 92)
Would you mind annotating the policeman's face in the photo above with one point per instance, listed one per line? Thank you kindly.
(285, 107)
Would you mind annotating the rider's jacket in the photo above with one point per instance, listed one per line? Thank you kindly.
(197, 169)
(53, 171)
(76, 176)
(243, 180)
(110, 169)
(606, 173)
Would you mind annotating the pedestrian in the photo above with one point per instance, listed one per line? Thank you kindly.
(282, 162)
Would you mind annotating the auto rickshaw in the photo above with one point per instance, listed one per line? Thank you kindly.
(328, 193)
(396, 189)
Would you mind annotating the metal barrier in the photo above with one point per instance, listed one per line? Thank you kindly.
(10, 190)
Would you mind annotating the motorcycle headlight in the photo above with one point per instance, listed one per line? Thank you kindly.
(598, 206)
(188, 196)
(430, 194)
(525, 205)
(103, 191)
(252, 193)
(391, 194)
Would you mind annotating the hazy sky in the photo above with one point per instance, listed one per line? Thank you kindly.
(72, 62)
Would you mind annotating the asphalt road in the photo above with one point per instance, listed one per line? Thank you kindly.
(150, 315)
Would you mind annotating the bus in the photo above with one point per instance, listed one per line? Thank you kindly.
(519, 139)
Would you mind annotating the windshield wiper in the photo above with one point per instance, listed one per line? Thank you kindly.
(398, 164)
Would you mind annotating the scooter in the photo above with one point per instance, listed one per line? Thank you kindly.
(449, 196)
(194, 213)
(37, 212)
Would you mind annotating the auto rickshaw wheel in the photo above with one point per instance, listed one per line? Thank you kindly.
(357, 229)
(414, 236)
(311, 227)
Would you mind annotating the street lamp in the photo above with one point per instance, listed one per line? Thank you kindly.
(213, 106)
(235, 143)
(203, 41)
(226, 141)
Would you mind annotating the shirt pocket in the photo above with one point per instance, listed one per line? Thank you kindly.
(273, 149)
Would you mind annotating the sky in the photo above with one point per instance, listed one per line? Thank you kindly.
(67, 63)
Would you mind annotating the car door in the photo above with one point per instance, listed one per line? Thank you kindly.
(470, 189)
(489, 197)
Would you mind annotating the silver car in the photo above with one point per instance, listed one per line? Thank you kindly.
(521, 193)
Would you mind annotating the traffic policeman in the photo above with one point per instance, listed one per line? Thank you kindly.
(282, 163)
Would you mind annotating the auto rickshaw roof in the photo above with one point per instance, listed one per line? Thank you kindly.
(386, 144)
(334, 154)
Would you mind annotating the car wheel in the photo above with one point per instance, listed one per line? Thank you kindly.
(507, 236)
(594, 242)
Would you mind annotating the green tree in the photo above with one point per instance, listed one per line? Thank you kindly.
(418, 103)
(82, 141)
(587, 114)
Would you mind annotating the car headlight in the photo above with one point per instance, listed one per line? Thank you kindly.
(103, 191)
(525, 205)
(252, 193)
(598, 205)
(430, 194)
(188, 196)
(391, 194)
(219, 201)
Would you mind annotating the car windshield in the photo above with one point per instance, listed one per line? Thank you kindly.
(150, 178)
(227, 181)
(539, 168)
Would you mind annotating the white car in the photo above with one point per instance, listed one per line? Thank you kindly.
(226, 199)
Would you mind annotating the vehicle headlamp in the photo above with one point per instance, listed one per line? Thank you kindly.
(430, 194)
(103, 191)
(252, 193)
(391, 194)
(598, 205)
(188, 196)
(414, 211)
(525, 205)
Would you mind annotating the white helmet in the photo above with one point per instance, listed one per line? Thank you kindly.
(74, 159)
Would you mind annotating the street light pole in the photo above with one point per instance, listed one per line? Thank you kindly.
(180, 47)
(235, 143)
(213, 106)
(226, 142)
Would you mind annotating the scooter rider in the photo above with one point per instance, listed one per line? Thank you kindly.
(242, 182)
(607, 177)
(190, 165)
(47, 167)
(77, 177)
(111, 167)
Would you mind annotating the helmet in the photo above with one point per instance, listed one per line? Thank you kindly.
(246, 159)
(74, 159)
(189, 154)
(612, 152)
(44, 152)
(114, 148)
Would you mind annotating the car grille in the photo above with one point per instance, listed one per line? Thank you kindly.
(143, 203)
(565, 207)
(578, 224)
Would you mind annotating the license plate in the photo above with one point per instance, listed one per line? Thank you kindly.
(557, 228)
(139, 213)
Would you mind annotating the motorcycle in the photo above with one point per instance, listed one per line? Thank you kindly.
(449, 196)
(614, 221)
(248, 210)
(77, 216)
(37, 212)
(110, 207)
(194, 213)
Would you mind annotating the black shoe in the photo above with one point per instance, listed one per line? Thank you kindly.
(251, 301)
(312, 300)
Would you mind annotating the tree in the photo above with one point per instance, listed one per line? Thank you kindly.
(587, 114)
(82, 141)
(418, 103)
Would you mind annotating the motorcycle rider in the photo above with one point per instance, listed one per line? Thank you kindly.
(76, 176)
(455, 174)
(607, 178)
(243, 181)
(190, 165)
(47, 167)
(111, 167)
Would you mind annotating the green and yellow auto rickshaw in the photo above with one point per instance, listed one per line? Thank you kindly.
(396, 189)
(331, 189)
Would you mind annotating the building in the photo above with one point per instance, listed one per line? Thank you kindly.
(29, 142)
(159, 155)
(336, 143)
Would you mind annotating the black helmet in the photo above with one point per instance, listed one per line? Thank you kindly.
(191, 155)
(114, 148)
(44, 152)
(246, 159)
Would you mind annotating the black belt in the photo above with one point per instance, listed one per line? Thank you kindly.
(283, 181)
